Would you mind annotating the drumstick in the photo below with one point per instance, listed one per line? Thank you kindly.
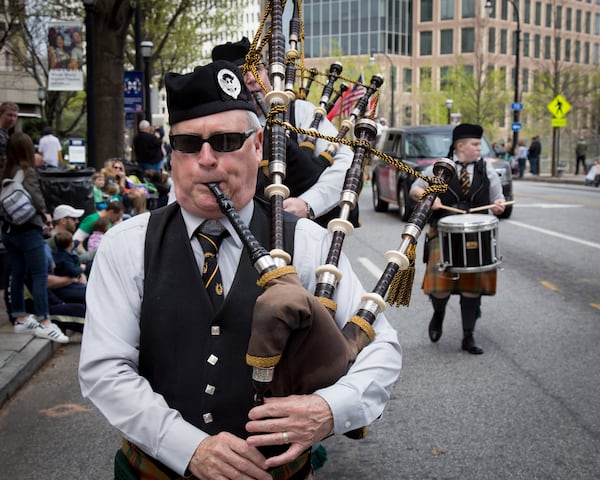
(452, 209)
(485, 207)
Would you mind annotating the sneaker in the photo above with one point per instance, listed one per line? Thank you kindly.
(51, 332)
(28, 326)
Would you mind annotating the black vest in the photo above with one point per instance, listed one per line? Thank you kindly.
(479, 193)
(190, 354)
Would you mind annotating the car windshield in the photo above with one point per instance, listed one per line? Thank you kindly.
(435, 145)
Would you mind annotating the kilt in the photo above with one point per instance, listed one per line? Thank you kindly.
(483, 283)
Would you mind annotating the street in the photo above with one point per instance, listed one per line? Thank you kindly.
(526, 409)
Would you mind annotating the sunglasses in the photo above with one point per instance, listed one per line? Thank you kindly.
(219, 142)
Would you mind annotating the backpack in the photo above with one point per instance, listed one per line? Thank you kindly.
(16, 201)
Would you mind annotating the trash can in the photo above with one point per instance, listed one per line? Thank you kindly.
(72, 186)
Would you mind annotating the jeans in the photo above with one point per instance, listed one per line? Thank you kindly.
(534, 165)
(522, 162)
(27, 254)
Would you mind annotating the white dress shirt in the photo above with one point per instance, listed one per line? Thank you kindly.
(108, 369)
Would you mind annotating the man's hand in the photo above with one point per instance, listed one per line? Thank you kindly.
(295, 206)
(301, 420)
(225, 456)
(498, 207)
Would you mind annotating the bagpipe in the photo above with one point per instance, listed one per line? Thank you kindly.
(292, 328)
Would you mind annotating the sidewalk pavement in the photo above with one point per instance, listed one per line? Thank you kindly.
(21, 355)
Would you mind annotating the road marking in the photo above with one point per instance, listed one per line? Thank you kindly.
(554, 234)
(64, 409)
(370, 266)
(549, 285)
(548, 205)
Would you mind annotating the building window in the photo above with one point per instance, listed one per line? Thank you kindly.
(424, 75)
(426, 43)
(597, 24)
(407, 79)
(578, 21)
(504, 10)
(426, 10)
(538, 13)
(525, 80)
(577, 51)
(444, 77)
(467, 40)
(527, 18)
(526, 40)
(569, 23)
(446, 41)
(588, 22)
(567, 50)
(537, 46)
(549, 15)
(492, 40)
(557, 44)
(596, 58)
(547, 47)
(558, 22)
(447, 10)
(586, 53)
(503, 41)
(468, 8)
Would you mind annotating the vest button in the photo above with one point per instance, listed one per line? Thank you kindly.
(210, 389)
(207, 417)
(213, 359)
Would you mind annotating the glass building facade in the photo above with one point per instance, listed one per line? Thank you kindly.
(357, 27)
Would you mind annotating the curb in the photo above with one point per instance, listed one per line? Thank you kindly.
(21, 355)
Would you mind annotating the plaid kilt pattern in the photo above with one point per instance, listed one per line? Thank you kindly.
(435, 281)
(131, 463)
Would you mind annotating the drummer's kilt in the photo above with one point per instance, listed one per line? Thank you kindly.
(483, 283)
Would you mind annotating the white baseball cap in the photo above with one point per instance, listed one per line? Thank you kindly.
(63, 211)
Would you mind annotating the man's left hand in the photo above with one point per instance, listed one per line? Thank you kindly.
(300, 420)
(295, 206)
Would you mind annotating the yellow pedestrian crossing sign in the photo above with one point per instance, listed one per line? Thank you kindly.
(559, 107)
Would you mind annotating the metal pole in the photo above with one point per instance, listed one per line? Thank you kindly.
(392, 103)
(147, 105)
(90, 85)
(516, 112)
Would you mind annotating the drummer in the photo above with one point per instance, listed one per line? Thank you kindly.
(476, 184)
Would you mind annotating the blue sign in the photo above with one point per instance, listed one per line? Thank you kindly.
(133, 92)
(516, 106)
(516, 126)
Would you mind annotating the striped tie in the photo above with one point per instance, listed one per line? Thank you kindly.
(211, 276)
(465, 184)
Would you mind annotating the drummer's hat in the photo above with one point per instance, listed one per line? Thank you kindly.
(466, 130)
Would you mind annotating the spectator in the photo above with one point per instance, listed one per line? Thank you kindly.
(101, 198)
(535, 150)
(66, 263)
(50, 148)
(522, 152)
(134, 200)
(580, 154)
(148, 148)
(113, 212)
(9, 114)
(98, 230)
(25, 247)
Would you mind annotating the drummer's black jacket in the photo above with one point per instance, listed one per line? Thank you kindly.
(479, 193)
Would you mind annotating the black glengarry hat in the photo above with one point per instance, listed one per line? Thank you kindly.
(234, 52)
(213, 88)
(466, 130)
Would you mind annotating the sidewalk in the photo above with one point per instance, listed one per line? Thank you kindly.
(21, 355)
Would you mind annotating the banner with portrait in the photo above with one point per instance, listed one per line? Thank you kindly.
(65, 56)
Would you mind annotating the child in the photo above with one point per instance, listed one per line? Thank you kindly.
(65, 260)
(100, 197)
(98, 230)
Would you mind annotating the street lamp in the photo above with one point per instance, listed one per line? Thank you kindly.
(489, 6)
(147, 48)
(90, 8)
(42, 98)
(393, 85)
(449, 103)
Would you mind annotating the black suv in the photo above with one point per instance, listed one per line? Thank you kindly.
(419, 147)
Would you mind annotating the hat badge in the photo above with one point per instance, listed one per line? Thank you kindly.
(229, 82)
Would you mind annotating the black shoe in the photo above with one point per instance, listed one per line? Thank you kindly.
(435, 328)
(469, 345)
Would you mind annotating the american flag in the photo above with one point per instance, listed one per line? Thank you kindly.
(348, 100)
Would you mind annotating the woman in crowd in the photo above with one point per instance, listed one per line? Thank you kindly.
(25, 246)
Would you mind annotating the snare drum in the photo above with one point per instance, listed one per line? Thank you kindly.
(468, 243)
